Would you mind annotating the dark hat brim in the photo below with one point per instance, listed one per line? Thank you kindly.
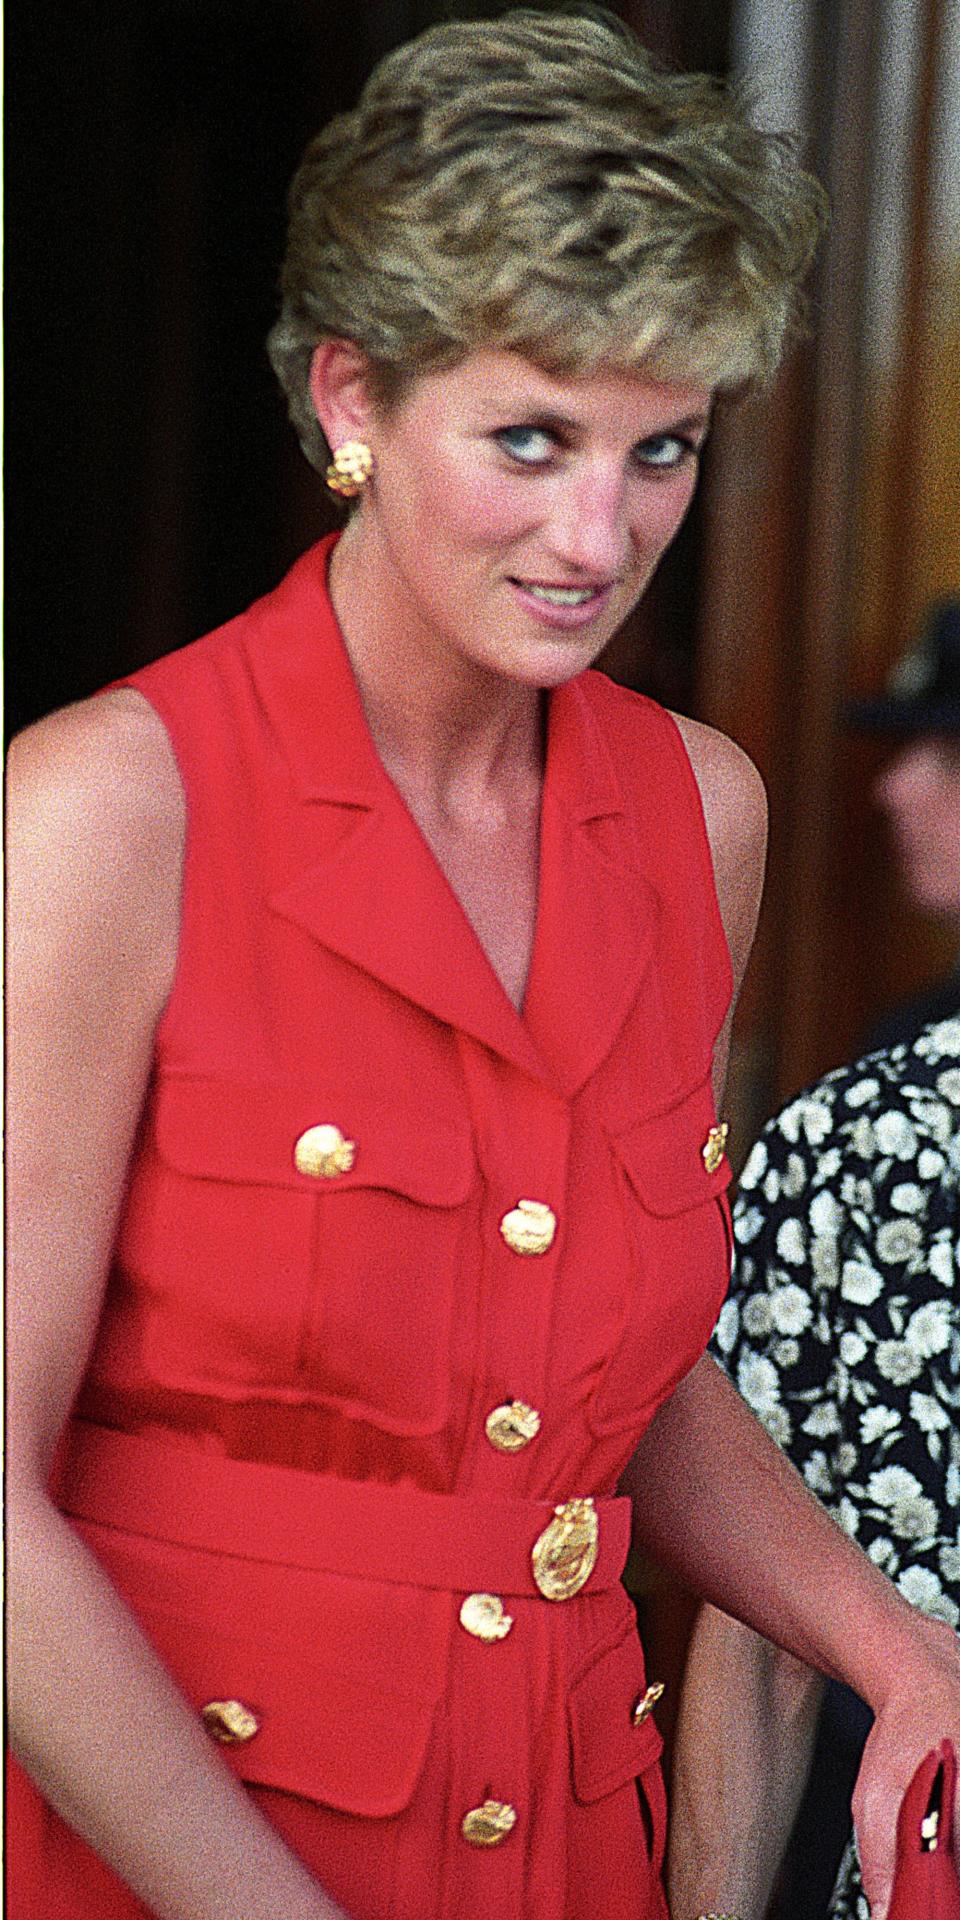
(903, 716)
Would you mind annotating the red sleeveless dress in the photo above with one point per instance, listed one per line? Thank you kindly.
(401, 1278)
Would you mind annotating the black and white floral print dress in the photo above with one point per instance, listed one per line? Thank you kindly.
(842, 1327)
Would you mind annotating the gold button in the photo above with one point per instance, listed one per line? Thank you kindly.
(529, 1227)
(714, 1146)
(565, 1554)
(512, 1426)
(482, 1614)
(486, 1826)
(646, 1703)
(229, 1721)
(323, 1153)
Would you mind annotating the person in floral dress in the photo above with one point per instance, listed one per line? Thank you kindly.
(842, 1332)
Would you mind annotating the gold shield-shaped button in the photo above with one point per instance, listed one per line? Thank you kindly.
(714, 1146)
(512, 1426)
(565, 1554)
(642, 1708)
(486, 1826)
(529, 1227)
(229, 1721)
(482, 1615)
(323, 1153)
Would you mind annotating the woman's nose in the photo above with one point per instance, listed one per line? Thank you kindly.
(589, 531)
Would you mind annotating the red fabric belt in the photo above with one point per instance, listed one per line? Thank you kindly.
(359, 1528)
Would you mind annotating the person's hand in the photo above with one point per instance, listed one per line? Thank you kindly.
(920, 1708)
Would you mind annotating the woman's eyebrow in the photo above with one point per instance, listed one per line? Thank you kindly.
(688, 423)
(566, 426)
(537, 415)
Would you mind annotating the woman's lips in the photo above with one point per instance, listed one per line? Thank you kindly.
(559, 605)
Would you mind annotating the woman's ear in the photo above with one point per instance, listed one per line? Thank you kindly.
(339, 391)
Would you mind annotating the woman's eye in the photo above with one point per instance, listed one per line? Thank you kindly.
(531, 445)
(666, 450)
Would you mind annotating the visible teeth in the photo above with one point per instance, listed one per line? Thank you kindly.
(562, 596)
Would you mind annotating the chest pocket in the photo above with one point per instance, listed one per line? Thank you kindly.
(289, 1245)
(672, 1187)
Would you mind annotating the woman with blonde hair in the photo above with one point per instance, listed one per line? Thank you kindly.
(371, 966)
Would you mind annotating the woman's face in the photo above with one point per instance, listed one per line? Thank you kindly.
(919, 791)
(515, 518)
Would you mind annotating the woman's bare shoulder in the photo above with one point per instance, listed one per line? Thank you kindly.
(96, 825)
(732, 790)
(114, 745)
(735, 810)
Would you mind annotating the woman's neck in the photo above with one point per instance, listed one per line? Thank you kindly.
(446, 728)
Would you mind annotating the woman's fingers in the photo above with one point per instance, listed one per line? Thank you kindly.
(922, 1708)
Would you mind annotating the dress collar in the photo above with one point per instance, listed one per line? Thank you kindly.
(377, 895)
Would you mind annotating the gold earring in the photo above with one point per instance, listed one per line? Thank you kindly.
(350, 469)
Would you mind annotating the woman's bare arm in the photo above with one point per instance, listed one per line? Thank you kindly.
(744, 1742)
(735, 811)
(716, 1501)
(95, 839)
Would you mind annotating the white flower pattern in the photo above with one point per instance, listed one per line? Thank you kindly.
(842, 1328)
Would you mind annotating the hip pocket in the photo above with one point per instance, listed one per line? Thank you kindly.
(614, 1738)
(307, 1682)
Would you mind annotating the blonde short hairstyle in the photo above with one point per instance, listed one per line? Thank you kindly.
(536, 183)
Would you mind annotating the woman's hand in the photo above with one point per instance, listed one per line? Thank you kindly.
(717, 1501)
(921, 1708)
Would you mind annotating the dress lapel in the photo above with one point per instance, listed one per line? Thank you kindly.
(597, 912)
(371, 890)
(380, 900)
(369, 887)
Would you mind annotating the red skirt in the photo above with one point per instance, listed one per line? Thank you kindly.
(376, 1722)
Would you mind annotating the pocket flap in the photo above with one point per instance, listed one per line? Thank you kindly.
(321, 1732)
(221, 1130)
(608, 1745)
(664, 1155)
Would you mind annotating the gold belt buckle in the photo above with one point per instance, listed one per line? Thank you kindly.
(565, 1553)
